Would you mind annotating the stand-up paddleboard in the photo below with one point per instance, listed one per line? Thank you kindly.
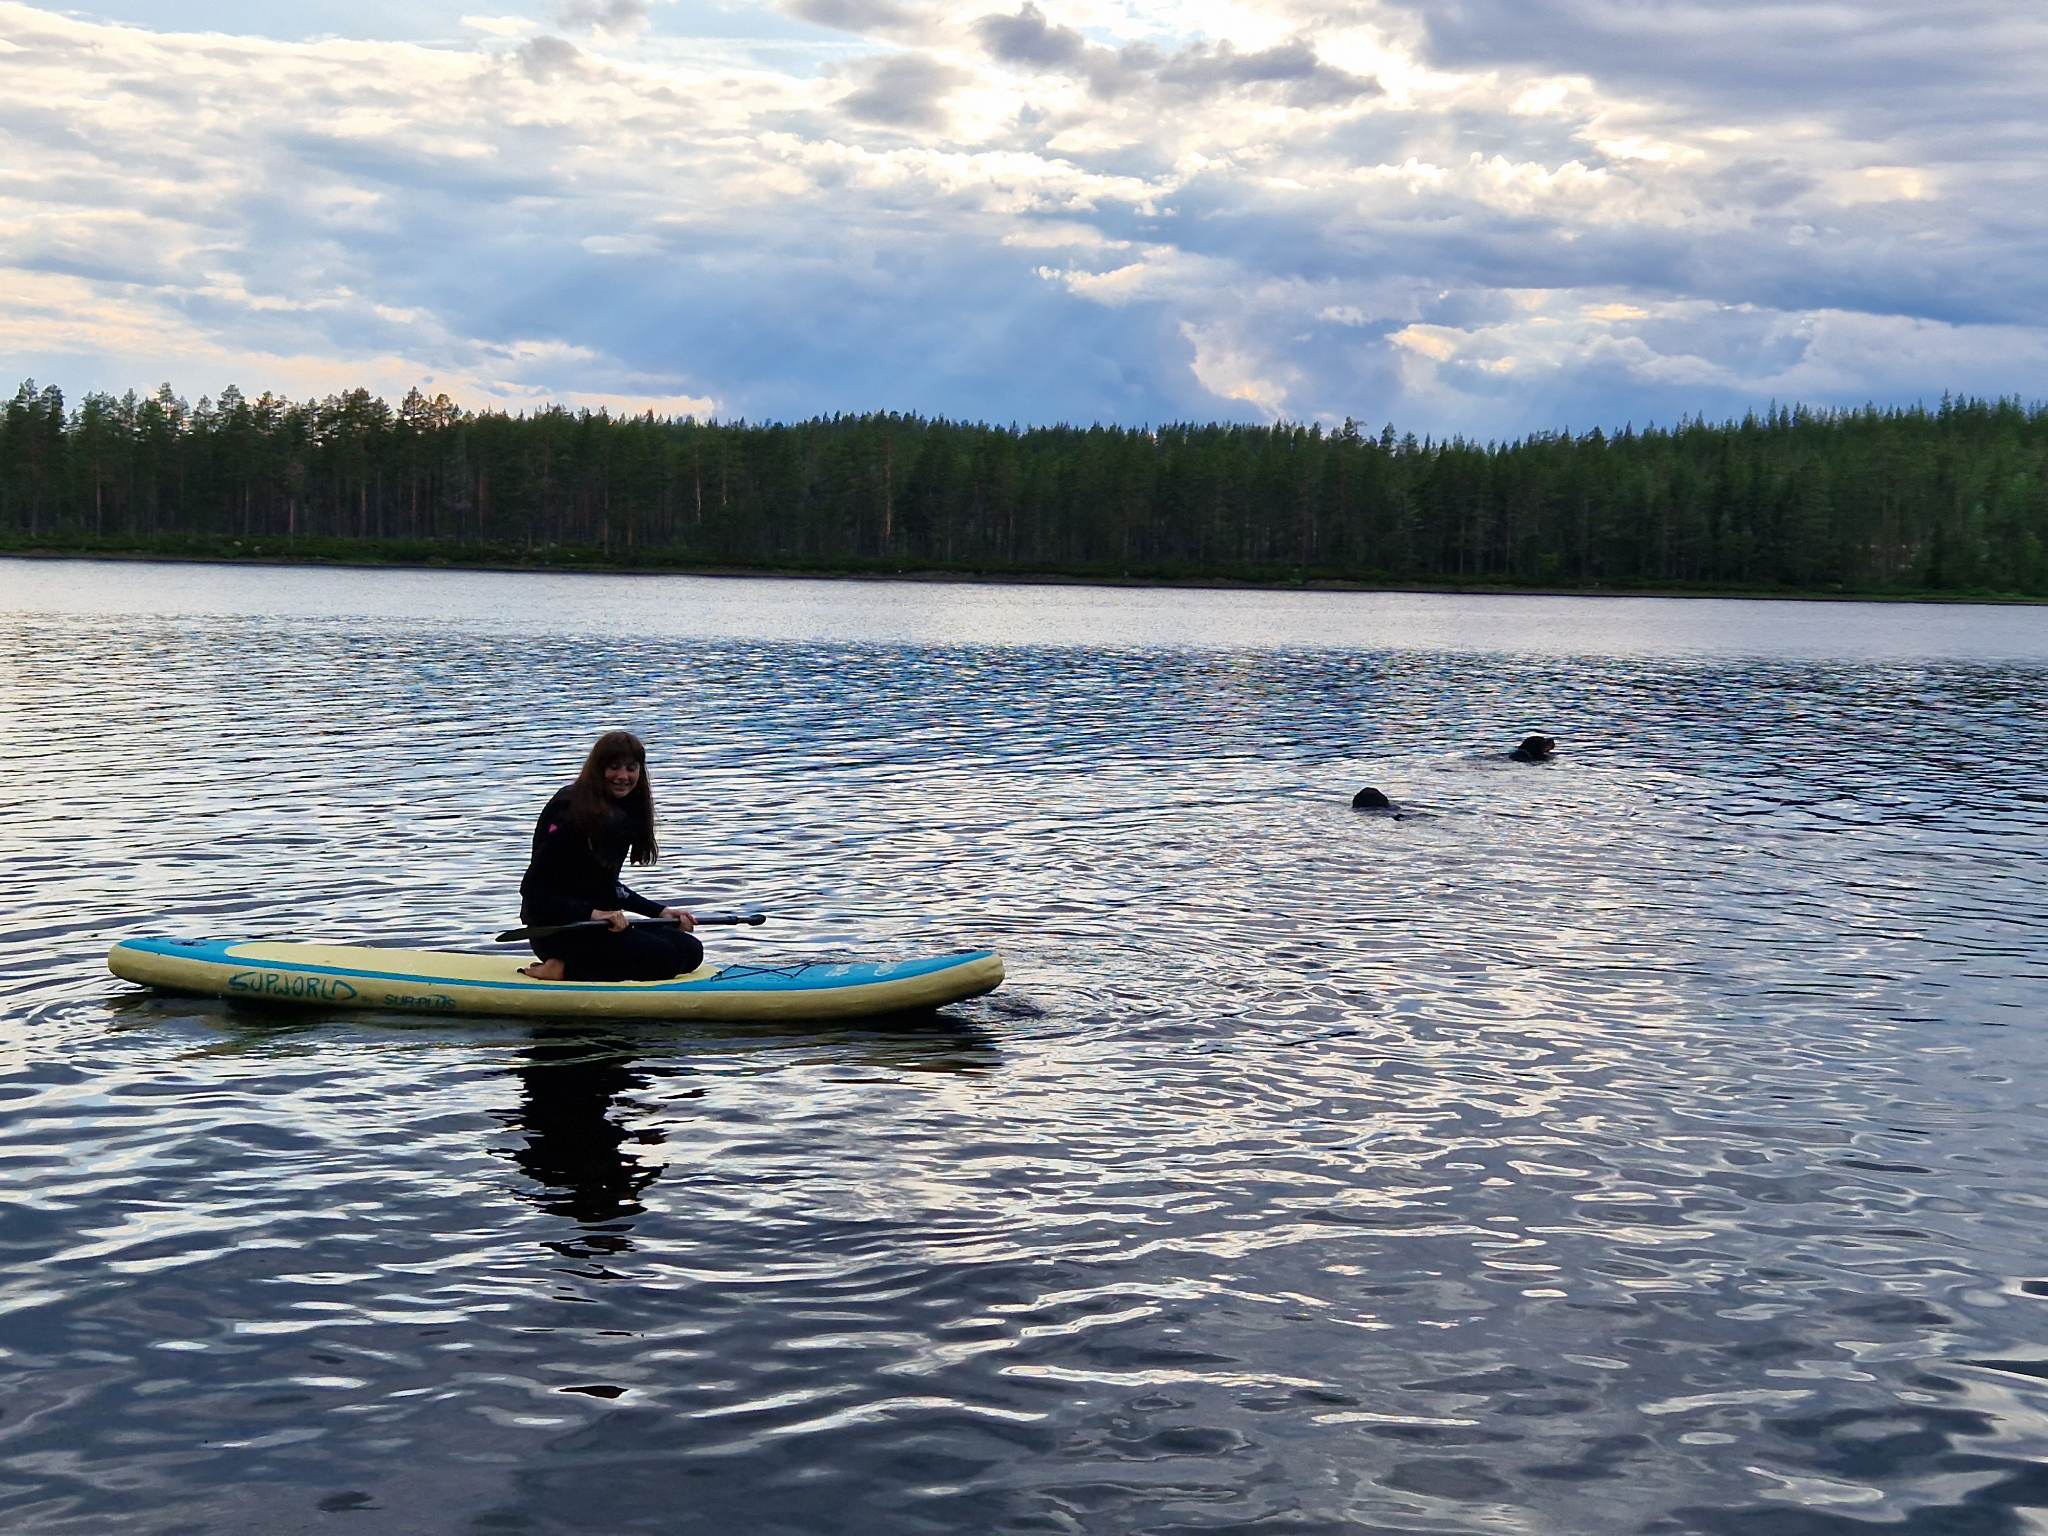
(438, 981)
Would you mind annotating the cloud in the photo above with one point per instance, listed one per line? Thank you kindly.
(1458, 217)
(865, 17)
(1028, 38)
(902, 91)
(1308, 81)
(548, 57)
(621, 245)
(1554, 366)
(1200, 70)
(1872, 59)
(117, 343)
(619, 17)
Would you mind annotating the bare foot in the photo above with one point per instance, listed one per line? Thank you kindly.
(543, 970)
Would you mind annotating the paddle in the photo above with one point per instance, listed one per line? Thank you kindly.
(703, 920)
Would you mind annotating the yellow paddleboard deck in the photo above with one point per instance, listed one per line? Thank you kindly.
(439, 981)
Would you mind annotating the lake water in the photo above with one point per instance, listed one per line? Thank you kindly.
(1650, 1141)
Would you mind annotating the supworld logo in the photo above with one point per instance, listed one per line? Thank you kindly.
(322, 989)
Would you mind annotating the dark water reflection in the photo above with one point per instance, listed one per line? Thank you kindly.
(1649, 1141)
(572, 1144)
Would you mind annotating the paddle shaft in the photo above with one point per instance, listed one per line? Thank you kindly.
(702, 920)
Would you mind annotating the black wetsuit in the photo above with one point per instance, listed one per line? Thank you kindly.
(570, 876)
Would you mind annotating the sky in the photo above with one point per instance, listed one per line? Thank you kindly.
(1484, 217)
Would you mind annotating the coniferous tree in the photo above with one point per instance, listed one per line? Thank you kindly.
(1953, 498)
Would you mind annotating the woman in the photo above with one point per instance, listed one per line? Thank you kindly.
(586, 833)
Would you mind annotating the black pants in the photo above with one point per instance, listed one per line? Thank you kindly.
(638, 954)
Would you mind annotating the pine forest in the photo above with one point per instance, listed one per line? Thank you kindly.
(1950, 499)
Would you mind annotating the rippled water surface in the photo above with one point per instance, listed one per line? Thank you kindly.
(1648, 1141)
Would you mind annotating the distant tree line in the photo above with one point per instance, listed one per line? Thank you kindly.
(1953, 498)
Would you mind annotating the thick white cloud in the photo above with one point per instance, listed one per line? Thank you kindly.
(1471, 215)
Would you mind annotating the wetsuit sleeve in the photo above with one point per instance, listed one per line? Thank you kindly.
(632, 901)
(556, 887)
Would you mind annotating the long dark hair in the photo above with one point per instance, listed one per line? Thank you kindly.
(590, 802)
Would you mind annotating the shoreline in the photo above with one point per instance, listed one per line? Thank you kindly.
(1029, 578)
